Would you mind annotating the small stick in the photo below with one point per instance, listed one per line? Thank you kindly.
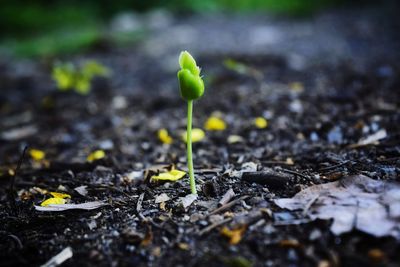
(214, 225)
(11, 191)
(227, 197)
(17, 240)
(139, 203)
(17, 169)
(295, 173)
(58, 259)
(227, 205)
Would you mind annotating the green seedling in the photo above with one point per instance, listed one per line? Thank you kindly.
(191, 88)
(69, 77)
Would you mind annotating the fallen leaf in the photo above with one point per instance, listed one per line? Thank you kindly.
(215, 124)
(59, 195)
(197, 135)
(82, 190)
(187, 200)
(83, 206)
(234, 235)
(289, 243)
(233, 139)
(39, 190)
(172, 175)
(371, 139)
(37, 154)
(260, 123)
(238, 261)
(96, 155)
(376, 255)
(183, 246)
(52, 201)
(164, 136)
(148, 238)
(353, 202)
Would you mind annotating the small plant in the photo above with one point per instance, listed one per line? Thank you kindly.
(191, 88)
(69, 77)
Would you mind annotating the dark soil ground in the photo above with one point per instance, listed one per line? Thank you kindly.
(319, 102)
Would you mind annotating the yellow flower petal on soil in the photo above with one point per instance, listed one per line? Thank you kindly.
(233, 139)
(197, 135)
(96, 155)
(52, 201)
(234, 235)
(164, 136)
(172, 175)
(260, 123)
(60, 195)
(215, 124)
(37, 154)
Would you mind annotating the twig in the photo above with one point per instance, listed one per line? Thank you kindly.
(227, 197)
(11, 191)
(335, 166)
(17, 240)
(21, 158)
(295, 173)
(212, 226)
(58, 259)
(139, 203)
(227, 205)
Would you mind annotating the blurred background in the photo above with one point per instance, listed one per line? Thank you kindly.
(127, 35)
(36, 28)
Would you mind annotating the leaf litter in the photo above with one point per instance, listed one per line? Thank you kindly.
(356, 202)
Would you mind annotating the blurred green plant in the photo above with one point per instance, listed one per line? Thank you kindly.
(241, 68)
(48, 28)
(69, 77)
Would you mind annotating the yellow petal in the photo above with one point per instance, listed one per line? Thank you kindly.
(197, 135)
(214, 124)
(234, 235)
(52, 201)
(260, 123)
(232, 139)
(96, 155)
(172, 175)
(59, 195)
(164, 136)
(37, 154)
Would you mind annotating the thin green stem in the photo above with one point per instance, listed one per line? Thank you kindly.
(189, 147)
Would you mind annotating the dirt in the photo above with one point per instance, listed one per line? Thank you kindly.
(316, 114)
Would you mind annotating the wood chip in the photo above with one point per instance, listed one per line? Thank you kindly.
(227, 197)
(58, 259)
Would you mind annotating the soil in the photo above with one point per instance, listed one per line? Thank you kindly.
(317, 112)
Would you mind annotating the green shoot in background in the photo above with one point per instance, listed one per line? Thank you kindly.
(69, 77)
(191, 88)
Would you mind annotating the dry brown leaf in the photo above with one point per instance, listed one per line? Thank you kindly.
(357, 202)
(83, 206)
